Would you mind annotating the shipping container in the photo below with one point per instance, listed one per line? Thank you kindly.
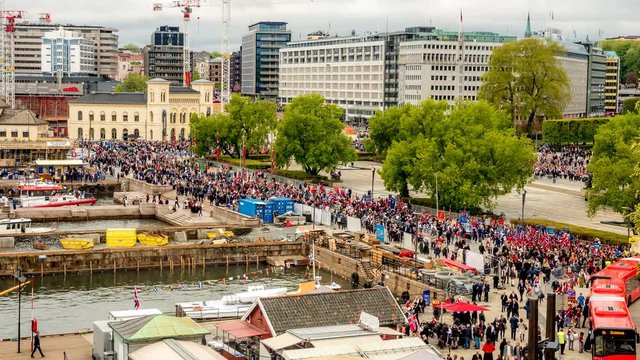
(252, 207)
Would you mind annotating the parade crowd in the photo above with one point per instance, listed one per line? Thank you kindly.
(567, 162)
(529, 260)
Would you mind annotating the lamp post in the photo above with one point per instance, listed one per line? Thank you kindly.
(627, 220)
(437, 196)
(314, 190)
(21, 278)
(373, 176)
(524, 196)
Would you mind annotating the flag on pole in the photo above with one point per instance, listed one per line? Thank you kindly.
(460, 15)
(413, 323)
(136, 302)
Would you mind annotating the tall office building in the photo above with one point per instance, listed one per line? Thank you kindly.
(28, 40)
(67, 53)
(596, 79)
(236, 71)
(430, 66)
(612, 83)
(163, 57)
(260, 58)
(347, 71)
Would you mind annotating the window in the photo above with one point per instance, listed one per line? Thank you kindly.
(102, 116)
(136, 117)
(150, 116)
(152, 95)
(25, 133)
(3, 133)
(163, 96)
(125, 116)
(114, 134)
(103, 134)
(91, 116)
(150, 134)
(114, 117)
(80, 133)
(79, 115)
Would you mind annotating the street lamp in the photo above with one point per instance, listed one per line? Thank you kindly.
(373, 176)
(524, 196)
(21, 279)
(437, 197)
(314, 190)
(627, 220)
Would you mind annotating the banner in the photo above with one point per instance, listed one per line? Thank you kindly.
(407, 241)
(475, 260)
(354, 224)
(380, 232)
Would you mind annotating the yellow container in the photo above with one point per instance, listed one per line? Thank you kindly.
(121, 237)
(71, 243)
(220, 233)
(153, 239)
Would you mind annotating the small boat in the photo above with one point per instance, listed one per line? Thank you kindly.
(21, 226)
(332, 286)
(230, 306)
(39, 194)
(75, 244)
(153, 239)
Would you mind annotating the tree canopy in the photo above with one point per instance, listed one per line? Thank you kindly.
(311, 133)
(132, 83)
(526, 80)
(472, 149)
(629, 53)
(630, 105)
(245, 121)
(132, 47)
(614, 165)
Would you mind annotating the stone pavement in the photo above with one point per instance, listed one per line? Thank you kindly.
(75, 346)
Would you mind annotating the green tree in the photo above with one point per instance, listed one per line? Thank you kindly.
(245, 121)
(311, 133)
(473, 150)
(133, 48)
(630, 105)
(196, 76)
(250, 122)
(384, 128)
(629, 53)
(614, 163)
(215, 54)
(132, 83)
(526, 80)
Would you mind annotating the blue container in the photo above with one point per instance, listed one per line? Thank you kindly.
(267, 217)
(282, 205)
(252, 207)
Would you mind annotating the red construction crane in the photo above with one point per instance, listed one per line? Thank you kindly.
(186, 7)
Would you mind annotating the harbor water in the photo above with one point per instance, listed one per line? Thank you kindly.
(71, 303)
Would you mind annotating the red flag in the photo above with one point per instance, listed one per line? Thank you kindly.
(413, 323)
(244, 152)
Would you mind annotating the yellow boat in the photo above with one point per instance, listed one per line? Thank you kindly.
(220, 233)
(153, 239)
(75, 244)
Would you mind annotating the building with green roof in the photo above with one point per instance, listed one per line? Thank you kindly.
(131, 335)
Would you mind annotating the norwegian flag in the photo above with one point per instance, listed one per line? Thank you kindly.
(413, 323)
(136, 301)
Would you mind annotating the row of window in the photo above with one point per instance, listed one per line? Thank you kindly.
(125, 134)
(14, 133)
(114, 116)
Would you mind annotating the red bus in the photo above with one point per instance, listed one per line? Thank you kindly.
(613, 289)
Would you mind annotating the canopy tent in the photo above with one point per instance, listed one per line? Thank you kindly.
(461, 307)
(240, 329)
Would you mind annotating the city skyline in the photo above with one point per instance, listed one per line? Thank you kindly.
(137, 23)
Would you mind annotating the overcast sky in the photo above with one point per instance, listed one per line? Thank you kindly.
(135, 19)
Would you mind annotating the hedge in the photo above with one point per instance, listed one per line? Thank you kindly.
(569, 131)
(303, 176)
(580, 232)
(629, 105)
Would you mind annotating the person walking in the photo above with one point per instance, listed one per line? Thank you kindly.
(36, 344)
(561, 340)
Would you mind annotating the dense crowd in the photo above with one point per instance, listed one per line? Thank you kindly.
(528, 259)
(567, 162)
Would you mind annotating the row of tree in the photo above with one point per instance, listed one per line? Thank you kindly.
(310, 132)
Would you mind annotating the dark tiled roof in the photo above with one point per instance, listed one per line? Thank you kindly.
(129, 327)
(19, 117)
(181, 90)
(112, 98)
(333, 308)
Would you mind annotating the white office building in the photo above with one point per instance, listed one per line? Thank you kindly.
(347, 71)
(67, 52)
(430, 69)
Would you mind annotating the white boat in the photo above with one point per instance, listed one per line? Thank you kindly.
(39, 193)
(332, 286)
(20, 226)
(230, 306)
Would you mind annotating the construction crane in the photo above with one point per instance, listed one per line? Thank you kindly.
(225, 83)
(8, 20)
(186, 8)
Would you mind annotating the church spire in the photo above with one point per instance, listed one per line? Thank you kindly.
(527, 30)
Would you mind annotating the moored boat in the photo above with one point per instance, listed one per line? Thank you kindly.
(20, 226)
(39, 194)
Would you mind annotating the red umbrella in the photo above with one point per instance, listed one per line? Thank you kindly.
(406, 253)
(463, 307)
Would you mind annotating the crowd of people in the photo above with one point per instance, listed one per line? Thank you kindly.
(567, 162)
(529, 260)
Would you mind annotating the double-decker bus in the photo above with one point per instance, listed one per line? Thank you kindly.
(613, 290)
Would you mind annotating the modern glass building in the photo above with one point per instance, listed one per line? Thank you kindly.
(260, 58)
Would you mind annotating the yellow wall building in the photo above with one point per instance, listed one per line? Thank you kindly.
(21, 125)
(612, 83)
(162, 113)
